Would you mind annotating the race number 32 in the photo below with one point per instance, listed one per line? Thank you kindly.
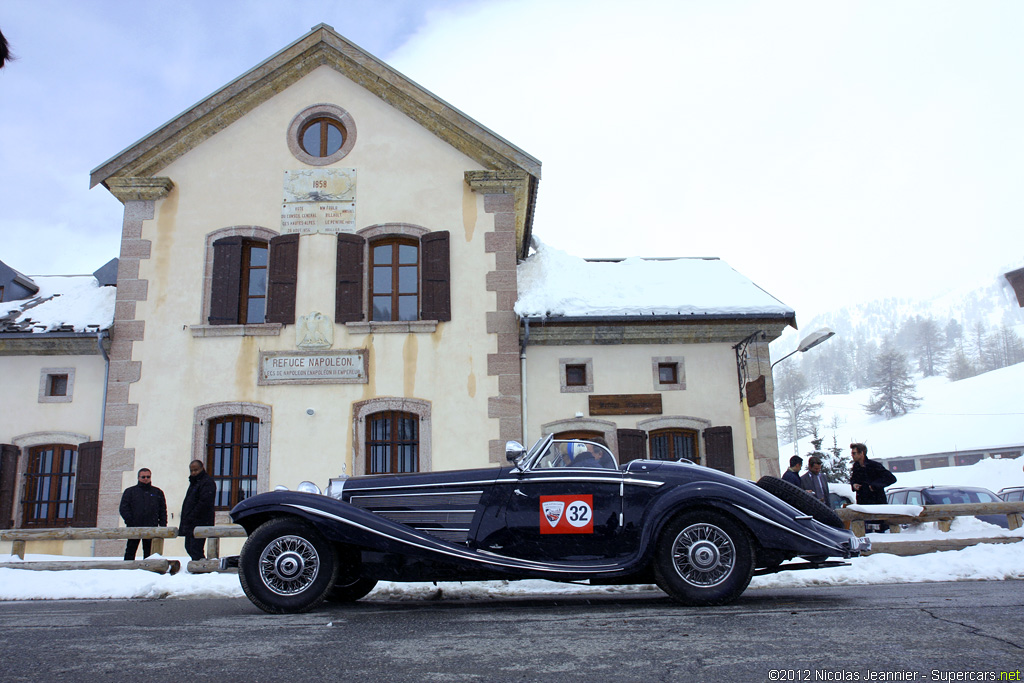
(567, 514)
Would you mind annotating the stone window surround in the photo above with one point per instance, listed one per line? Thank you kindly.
(578, 424)
(322, 110)
(200, 428)
(26, 441)
(680, 384)
(580, 389)
(44, 385)
(677, 422)
(366, 326)
(204, 329)
(363, 409)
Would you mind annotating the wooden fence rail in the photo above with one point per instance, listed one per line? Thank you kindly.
(943, 515)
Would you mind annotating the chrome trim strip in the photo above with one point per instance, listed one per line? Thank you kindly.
(441, 493)
(465, 555)
(602, 480)
(433, 529)
(483, 482)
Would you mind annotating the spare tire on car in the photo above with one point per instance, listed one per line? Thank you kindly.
(801, 500)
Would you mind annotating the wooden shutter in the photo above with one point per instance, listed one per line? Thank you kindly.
(718, 446)
(225, 288)
(8, 479)
(87, 484)
(284, 272)
(436, 299)
(348, 276)
(632, 445)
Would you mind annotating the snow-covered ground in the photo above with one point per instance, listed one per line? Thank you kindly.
(981, 562)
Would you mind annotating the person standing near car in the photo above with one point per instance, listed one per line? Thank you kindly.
(814, 482)
(197, 508)
(142, 505)
(868, 478)
(792, 475)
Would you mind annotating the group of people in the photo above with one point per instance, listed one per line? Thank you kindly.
(868, 478)
(145, 505)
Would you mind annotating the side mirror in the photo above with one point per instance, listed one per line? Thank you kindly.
(513, 451)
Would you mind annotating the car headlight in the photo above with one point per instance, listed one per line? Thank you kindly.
(308, 487)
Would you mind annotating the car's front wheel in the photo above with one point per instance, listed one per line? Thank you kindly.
(703, 557)
(286, 566)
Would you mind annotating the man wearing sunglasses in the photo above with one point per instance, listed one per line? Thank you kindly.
(142, 505)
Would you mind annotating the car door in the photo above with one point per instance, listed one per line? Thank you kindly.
(564, 514)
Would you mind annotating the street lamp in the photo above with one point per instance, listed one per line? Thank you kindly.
(807, 343)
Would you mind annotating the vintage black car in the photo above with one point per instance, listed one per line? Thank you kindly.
(563, 511)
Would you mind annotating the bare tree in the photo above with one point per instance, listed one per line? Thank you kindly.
(5, 51)
(796, 402)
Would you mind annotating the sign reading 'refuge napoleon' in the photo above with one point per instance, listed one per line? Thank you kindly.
(326, 367)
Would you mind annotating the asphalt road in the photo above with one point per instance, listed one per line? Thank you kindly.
(964, 631)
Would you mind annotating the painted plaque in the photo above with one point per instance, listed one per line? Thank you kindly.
(319, 200)
(625, 404)
(326, 367)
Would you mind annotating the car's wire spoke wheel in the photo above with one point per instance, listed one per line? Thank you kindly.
(289, 565)
(703, 555)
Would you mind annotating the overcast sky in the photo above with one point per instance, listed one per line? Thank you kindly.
(832, 152)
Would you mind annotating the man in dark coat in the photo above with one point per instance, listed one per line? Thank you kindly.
(792, 475)
(869, 478)
(142, 505)
(197, 508)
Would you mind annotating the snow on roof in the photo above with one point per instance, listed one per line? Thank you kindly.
(74, 303)
(554, 283)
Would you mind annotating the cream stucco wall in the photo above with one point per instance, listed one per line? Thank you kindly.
(711, 391)
(23, 413)
(404, 174)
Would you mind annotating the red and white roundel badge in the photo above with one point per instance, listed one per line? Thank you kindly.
(567, 514)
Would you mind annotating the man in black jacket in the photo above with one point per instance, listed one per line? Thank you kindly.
(197, 508)
(142, 505)
(869, 478)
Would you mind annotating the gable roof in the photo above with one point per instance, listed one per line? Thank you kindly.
(321, 46)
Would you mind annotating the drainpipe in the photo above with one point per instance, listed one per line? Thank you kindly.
(522, 372)
(106, 377)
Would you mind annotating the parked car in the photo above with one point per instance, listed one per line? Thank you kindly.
(947, 495)
(1012, 494)
(552, 513)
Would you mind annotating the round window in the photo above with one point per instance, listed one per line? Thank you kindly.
(322, 137)
(321, 134)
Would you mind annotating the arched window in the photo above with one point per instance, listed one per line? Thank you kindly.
(50, 486)
(394, 279)
(674, 444)
(392, 442)
(232, 458)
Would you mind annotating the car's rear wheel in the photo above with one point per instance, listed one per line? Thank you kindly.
(703, 557)
(286, 566)
(349, 585)
(801, 500)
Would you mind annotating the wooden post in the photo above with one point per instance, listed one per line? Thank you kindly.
(158, 546)
(213, 548)
(18, 548)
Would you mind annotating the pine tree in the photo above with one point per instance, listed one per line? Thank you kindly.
(930, 347)
(835, 465)
(892, 386)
